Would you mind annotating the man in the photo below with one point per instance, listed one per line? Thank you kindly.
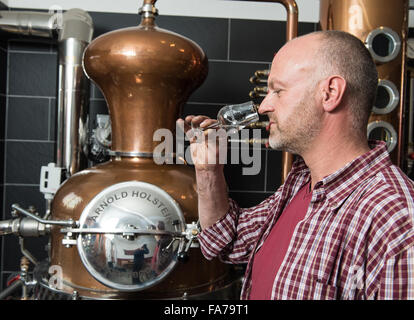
(341, 226)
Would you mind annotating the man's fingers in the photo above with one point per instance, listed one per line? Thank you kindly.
(207, 122)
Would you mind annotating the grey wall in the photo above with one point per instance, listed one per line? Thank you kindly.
(3, 81)
(235, 48)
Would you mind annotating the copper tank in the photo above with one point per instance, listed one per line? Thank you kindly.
(363, 18)
(146, 74)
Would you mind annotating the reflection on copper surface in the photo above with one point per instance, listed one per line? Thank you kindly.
(360, 18)
(71, 200)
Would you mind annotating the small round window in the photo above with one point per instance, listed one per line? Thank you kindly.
(384, 44)
(387, 97)
(384, 131)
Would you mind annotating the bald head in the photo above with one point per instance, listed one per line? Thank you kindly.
(296, 60)
(327, 53)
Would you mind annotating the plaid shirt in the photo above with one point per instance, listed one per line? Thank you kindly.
(356, 241)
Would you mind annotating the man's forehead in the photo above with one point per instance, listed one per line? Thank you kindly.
(296, 56)
(300, 47)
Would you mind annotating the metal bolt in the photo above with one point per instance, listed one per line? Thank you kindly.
(32, 209)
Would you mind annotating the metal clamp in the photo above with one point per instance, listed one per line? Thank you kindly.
(190, 234)
(393, 95)
(148, 10)
(391, 36)
(389, 129)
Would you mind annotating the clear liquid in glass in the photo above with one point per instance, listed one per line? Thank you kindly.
(235, 116)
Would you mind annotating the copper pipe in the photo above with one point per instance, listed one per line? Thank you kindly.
(262, 73)
(292, 17)
(258, 125)
(291, 32)
(250, 141)
(256, 80)
(401, 153)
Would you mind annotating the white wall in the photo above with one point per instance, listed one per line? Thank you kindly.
(308, 9)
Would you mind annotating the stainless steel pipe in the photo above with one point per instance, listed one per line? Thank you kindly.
(73, 94)
(28, 23)
(73, 30)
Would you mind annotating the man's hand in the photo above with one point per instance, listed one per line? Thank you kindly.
(208, 152)
(208, 147)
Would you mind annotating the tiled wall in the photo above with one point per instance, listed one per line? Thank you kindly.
(235, 48)
(3, 81)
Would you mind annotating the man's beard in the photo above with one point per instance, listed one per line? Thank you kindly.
(298, 131)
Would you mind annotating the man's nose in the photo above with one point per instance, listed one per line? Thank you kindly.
(265, 107)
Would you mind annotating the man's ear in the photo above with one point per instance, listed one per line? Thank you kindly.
(333, 89)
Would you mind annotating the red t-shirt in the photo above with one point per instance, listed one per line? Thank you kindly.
(270, 256)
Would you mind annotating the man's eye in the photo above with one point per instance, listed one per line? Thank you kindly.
(274, 91)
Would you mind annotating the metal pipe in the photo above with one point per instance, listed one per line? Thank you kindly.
(28, 23)
(12, 288)
(70, 222)
(292, 17)
(27, 253)
(250, 141)
(291, 32)
(73, 30)
(73, 94)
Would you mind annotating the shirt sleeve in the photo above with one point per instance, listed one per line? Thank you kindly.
(232, 238)
(397, 279)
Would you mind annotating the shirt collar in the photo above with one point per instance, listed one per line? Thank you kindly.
(337, 186)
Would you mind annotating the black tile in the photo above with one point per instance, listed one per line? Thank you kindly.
(1, 204)
(256, 40)
(52, 120)
(33, 74)
(38, 45)
(227, 82)
(211, 34)
(249, 199)
(2, 143)
(274, 170)
(104, 22)
(96, 92)
(25, 196)
(2, 282)
(28, 119)
(236, 176)
(3, 44)
(2, 116)
(24, 160)
(3, 71)
(201, 109)
(306, 27)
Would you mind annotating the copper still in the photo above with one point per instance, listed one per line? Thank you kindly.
(382, 25)
(126, 206)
